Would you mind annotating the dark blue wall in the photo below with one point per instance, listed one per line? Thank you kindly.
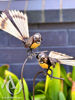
(58, 37)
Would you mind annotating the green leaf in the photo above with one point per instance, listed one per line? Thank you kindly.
(73, 84)
(64, 75)
(73, 74)
(2, 70)
(4, 94)
(65, 88)
(68, 94)
(39, 97)
(1, 97)
(61, 96)
(48, 79)
(18, 93)
(13, 76)
(73, 95)
(69, 75)
(39, 88)
(52, 86)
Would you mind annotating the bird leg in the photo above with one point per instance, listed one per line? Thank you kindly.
(29, 51)
(54, 77)
(51, 72)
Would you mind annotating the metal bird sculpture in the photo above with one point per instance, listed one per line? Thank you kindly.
(45, 61)
(16, 23)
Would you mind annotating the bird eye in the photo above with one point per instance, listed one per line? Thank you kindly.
(37, 56)
(42, 58)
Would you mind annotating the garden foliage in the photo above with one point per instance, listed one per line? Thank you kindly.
(51, 89)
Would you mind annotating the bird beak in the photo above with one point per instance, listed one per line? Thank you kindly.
(37, 57)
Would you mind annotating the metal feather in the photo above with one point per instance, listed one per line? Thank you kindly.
(62, 58)
(15, 23)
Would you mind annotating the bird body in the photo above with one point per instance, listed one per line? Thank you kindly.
(35, 45)
(44, 65)
(45, 61)
(16, 23)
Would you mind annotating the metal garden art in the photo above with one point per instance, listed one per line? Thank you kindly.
(16, 23)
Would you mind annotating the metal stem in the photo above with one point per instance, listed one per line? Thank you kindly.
(54, 77)
(9, 3)
(36, 77)
(22, 70)
(34, 82)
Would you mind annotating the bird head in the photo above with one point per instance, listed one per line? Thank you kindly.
(37, 38)
(42, 57)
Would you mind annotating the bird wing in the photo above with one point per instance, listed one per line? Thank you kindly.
(29, 42)
(15, 23)
(62, 58)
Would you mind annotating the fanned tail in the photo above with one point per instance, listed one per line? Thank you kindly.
(15, 23)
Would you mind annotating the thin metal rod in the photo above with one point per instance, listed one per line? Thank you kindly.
(34, 82)
(36, 53)
(61, 11)
(26, 6)
(22, 70)
(9, 3)
(43, 10)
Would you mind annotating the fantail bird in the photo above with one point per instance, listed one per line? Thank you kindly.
(16, 23)
(45, 61)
